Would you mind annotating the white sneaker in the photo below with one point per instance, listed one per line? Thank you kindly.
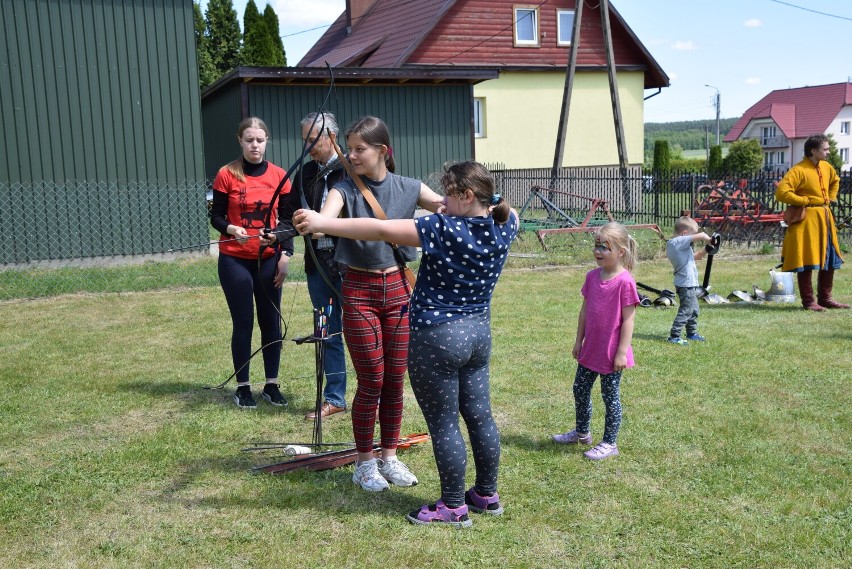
(601, 451)
(367, 476)
(396, 472)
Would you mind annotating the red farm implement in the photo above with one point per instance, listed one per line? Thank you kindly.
(736, 213)
(542, 215)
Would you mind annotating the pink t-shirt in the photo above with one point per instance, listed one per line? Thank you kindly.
(605, 301)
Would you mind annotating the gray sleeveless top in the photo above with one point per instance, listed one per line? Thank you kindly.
(398, 197)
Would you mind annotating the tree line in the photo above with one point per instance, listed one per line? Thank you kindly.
(745, 155)
(221, 46)
(688, 135)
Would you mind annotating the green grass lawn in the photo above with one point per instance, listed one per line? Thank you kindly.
(734, 453)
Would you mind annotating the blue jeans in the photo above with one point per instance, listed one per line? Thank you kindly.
(448, 366)
(335, 357)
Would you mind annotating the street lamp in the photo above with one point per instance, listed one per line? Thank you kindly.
(718, 105)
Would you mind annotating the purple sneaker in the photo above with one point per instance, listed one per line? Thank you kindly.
(601, 451)
(483, 504)
(439, 513)
(573, 438)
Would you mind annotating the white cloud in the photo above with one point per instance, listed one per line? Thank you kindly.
(681, 45)
(752, 81)
(298, 15)
(753, 23)
(673, 76)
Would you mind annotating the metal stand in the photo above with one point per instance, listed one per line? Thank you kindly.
(312, 458)
(318, 339)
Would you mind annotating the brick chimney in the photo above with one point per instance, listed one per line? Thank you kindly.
(354, 10)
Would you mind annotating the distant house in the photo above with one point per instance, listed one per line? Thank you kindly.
(785, 118)
(515, 116)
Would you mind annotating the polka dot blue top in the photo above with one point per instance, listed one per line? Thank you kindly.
(462, 258)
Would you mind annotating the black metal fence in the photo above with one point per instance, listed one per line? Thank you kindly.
(741, 206)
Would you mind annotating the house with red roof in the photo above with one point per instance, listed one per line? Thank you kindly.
(514, 118)
(782, 121)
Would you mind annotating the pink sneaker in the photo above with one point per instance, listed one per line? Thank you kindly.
(483, 504)
(601, 451)
(573, 438)
(439, 513)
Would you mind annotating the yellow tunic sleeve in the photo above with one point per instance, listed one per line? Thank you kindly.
(786, 190)
(833, 184)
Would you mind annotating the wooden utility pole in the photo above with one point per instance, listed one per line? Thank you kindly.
(566, 94)
(616, 106)
(613, 90)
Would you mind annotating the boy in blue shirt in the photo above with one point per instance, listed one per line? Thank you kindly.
(680, 253)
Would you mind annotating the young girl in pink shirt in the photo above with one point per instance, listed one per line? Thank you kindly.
(604, 335)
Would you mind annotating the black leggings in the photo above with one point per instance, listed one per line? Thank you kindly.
(244, 287)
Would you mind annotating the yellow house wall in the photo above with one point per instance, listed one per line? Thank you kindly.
(522, 116)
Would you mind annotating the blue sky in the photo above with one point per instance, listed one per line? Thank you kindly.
(745, 48)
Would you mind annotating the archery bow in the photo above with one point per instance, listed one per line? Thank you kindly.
(304, 203)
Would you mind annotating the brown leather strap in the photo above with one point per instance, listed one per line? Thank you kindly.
(374, 204)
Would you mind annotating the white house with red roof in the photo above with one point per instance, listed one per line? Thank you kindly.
(785, 118)
(514, 118)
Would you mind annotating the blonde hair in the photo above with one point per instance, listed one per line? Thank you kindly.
(621, 241)
(684, 223)
(235, 167)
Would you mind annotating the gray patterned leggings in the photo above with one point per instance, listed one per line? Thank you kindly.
(687, 312)
(448, 366)
(610, 382)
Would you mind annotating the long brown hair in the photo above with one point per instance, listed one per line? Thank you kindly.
(475, 177)
(235, 167)
(374, 131)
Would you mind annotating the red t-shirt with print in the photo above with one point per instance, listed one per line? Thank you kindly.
(248, 205)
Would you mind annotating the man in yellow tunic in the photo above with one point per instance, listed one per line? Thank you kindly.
(812, 244)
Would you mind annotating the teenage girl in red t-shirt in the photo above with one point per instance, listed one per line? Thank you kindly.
(242, 192)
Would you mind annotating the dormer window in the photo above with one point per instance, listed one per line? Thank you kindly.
(526, 26)
(565, 26)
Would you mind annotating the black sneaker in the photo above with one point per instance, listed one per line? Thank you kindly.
(273, 395)
(243, 398)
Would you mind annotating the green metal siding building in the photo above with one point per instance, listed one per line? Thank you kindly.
(101, 127)
(428, 111)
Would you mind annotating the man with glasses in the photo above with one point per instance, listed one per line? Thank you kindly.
(317, 176)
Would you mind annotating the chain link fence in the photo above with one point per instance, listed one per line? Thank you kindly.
(93, 236)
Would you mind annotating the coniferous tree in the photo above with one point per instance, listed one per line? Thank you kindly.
(257, 46)
(206, 71)
(662, 165)
(662, 156)
(714, 164)
(223, 35)
(278, 56)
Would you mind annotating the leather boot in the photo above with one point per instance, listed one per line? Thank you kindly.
(825, 282)
(806, 291)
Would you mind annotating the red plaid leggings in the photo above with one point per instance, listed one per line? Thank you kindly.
(379, 352)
